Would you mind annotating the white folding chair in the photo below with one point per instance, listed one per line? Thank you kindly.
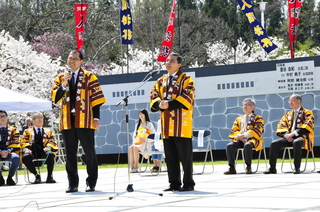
(287, 149)
(259, 156)
(200, 137)
(26, 171)
(152, 138)
(3, 162)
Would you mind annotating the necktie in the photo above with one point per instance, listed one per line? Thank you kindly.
(247, 118)
(294, 120)
(170, 80)
(39, 132)
(72, 80)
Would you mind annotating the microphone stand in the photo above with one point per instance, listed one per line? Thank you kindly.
(125, 103)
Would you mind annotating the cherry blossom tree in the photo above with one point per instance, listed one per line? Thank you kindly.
(24, 70)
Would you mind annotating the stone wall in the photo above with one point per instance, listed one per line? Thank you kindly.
(217, 115)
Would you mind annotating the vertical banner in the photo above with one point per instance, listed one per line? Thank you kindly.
(166, 47)
(126, 22)
(256, 27)
(294, 9)
(80, 13)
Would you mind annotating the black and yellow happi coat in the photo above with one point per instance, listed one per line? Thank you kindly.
(13, 139)
(48, 139)
(88, 94)
(178, 122)
(305, 120)
(255, 127)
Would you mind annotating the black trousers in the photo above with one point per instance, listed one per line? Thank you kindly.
(231, 149)
(179, 149)
(31, 166)
(281, 143)
(86, 138)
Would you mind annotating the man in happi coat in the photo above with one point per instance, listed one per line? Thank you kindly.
(80, 96)
(39, 143)
(173, 96)
(295, 129)
(246, 133)
(9, 147)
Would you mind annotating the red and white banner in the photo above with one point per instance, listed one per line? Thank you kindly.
(166, 47)
(80, 13)
(294, 10)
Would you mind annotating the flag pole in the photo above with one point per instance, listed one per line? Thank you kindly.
(121, 49)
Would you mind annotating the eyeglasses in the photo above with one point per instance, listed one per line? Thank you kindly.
(75, 59)
(247, 104)
(3, 116)
(292, 100)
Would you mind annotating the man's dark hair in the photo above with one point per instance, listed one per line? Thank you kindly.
(179, 59)
(80, 53)
(298, 97)
(3, 111)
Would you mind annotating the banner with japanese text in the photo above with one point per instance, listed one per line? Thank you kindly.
(294, 9)
(126, 22)
(256, 27)
(166, 46)
(80, 13)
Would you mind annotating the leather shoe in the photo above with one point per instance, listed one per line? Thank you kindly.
(230, 171)
(37, 180)
(270, 171)
(90, 189)
(50, 180)
(248, 170)
(1, 181)
(318, 171)
(10, 181)
(297, 171)
(186, 189)
(72, 189)
(171, 189)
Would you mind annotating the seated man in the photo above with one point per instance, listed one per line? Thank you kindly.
(246, 133)
(295, 129)
(38, 142)
(9, 147)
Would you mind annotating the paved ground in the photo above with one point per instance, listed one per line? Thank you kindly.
(283, 192)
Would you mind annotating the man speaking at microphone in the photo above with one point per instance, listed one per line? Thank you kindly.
(80, 96)
(173, 96)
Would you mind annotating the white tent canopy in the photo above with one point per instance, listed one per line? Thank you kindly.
(14, 101)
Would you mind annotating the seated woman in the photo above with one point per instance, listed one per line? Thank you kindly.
(142, 129)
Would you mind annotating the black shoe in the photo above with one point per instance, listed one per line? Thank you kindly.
(231, 170)
(297, 171)
(186, 189)
(270, 171)
(1, 181)
(10, 181)
(72, 189)
(90, 189)
(318, 171)
(50, 180)
(248, 170)
(172, 189)
(37, 180)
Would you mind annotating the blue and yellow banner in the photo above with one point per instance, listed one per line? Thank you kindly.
(256, 27)
(126, 22)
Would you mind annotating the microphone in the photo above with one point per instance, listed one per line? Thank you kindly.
(154, 72)
(67, 88)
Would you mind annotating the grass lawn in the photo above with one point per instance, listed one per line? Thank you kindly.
(61, 167)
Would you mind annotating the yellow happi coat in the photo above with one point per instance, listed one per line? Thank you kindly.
(305, 120)
(13, 140)
(48, 139)
(175, 123)
(89, 94)
(255, 126)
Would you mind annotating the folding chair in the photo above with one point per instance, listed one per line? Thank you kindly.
(152, 138)
(287, 149)
(263, 149)
(26, 171)
(200, 137)
(3, 162)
